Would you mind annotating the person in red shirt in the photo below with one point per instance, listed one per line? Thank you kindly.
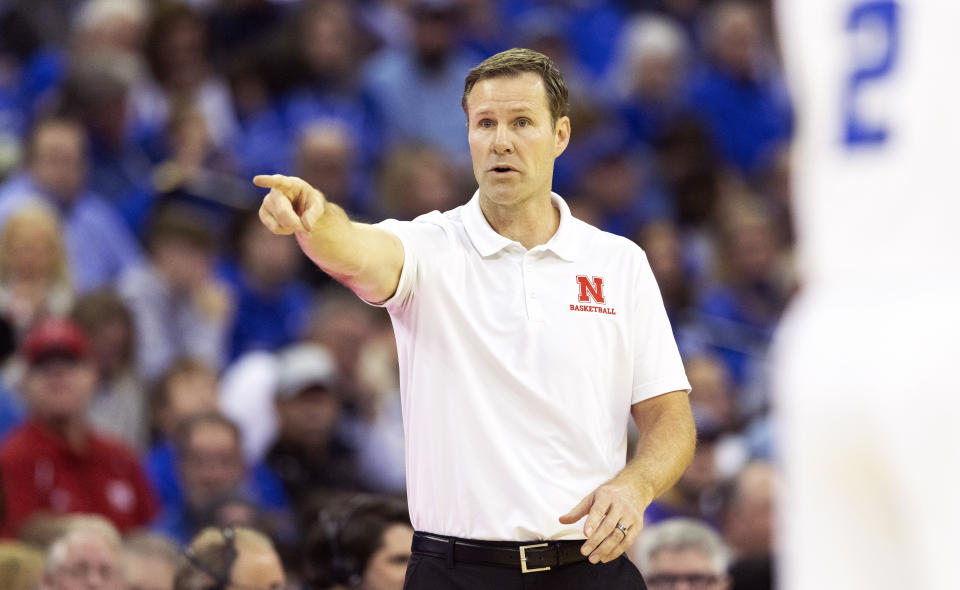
(56, 462)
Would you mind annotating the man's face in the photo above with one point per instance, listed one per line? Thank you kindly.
(90, 563)
(212, 464)
(60, 388)
(513, 141)
(688, 569)
(388, 565)
(310, 418)
(58, 161)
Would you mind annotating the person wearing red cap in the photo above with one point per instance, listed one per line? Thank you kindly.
(56, 462)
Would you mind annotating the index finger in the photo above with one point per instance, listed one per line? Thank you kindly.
(291, 186)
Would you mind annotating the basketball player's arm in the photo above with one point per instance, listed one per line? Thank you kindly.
(664, 450)
(366, 259)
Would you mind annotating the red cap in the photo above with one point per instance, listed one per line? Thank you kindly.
(55, 338)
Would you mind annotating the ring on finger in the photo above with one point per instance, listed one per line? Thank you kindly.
(623, 529)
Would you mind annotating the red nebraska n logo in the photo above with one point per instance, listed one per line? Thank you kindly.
(590, 288)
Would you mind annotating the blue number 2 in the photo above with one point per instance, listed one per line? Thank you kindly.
(879, 18)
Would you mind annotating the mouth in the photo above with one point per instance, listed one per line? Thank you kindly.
(503, 169)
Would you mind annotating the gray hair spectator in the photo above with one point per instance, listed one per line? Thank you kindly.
(650, 60)
(683, 553)
(86, 557)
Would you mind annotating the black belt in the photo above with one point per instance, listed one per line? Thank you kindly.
(527, 557)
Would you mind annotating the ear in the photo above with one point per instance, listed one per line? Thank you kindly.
(561, 136)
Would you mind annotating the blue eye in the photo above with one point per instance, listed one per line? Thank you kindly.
(523, 122)
(486, 123)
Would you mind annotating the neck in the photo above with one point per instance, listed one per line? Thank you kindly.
(71, 429)
(531, 222)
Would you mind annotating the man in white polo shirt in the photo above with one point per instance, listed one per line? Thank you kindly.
(527, 340)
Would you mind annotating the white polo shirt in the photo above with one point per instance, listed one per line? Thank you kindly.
(518, 369)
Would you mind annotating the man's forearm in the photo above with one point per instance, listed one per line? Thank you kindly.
(364, 258)
(667, 438)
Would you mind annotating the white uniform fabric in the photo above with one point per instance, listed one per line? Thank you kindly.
(516, 394)
(867, 398)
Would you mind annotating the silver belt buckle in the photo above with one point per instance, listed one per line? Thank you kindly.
(523, 559)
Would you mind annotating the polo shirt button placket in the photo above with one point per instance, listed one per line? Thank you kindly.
(533, 304)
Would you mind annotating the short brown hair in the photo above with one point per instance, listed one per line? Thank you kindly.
(514, 62)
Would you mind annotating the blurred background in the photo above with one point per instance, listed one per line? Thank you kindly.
(235, 382)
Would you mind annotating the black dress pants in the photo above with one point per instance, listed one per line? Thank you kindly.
(426, 572)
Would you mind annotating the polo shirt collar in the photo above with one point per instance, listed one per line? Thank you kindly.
(488, 242)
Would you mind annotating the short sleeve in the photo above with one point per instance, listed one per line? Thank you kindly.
(657, 367)
(423, 239)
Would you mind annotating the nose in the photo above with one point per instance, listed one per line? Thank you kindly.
(502, 141)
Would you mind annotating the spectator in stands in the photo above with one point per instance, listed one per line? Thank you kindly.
(34, 276)
(197, 175)
(620, 184)
(748, 515)
(327, 154)
(740, 313)
(97, 91)
(739, 93)
(182, 76)
(693, 176)
(210, 466)
(150, 562)
(360, 542)
(119, 406)
(661, 242)
(187, 388)
(99, 245)
(56, 461)
(683, 553)
(416, 179)
(87, 557)
(713, 401)
(425, 82)
(309, 455)
(329, 55)
(21, 566)
(648, 75)
(230, 558)
(180, 308)
(343, 324)
(273, 305)
(697, 493)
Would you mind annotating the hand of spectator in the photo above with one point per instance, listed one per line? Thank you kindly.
(606, 507)
(292, 205)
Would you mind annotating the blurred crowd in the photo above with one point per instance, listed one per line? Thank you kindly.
(170, 365)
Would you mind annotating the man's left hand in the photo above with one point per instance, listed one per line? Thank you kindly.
(609, 505)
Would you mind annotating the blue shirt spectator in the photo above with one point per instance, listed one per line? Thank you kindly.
(739, 94)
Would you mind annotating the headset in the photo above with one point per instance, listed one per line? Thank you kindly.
(332, 521)
(221, 580)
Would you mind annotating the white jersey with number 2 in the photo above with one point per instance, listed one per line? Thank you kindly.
(867, 361)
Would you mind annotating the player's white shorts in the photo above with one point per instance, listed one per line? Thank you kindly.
(868, 392)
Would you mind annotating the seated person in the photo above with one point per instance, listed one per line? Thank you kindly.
(361, 542)
(230, 558)
(56, 461)
(210, 465)
(683, 552)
